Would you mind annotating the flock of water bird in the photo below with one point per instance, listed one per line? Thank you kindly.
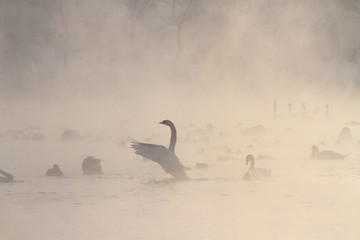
(171, 164)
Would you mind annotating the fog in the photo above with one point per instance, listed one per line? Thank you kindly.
(109, 71)
(121, 58)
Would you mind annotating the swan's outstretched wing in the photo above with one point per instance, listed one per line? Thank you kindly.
(156, 153)
(161, 155)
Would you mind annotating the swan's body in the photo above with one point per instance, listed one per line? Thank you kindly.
(325, 155)
(255, 173)
(160, 154)
(54, 171)
(91, 165)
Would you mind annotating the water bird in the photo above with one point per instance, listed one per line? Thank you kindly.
(326, 155)
(7, 177)
(253, 131)
(91, 165)
(54, 171)
(344, 136)
(254, 173)
(165, 157)
(201, 165)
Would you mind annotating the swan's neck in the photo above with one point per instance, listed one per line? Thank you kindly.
(173, 138)
(315, 152)
(252, 165)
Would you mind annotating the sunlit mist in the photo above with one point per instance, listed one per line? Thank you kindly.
(258, 103)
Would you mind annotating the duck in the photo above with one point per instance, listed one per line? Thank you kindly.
(165, 157)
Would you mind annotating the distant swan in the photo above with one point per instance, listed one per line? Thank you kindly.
(91, 165)
(255, 173)
(161, 155)
(329, 155)
(344, 136)
(7, 177)
(54, 171)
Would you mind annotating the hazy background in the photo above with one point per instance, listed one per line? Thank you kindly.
(94, 63)
(110, 70)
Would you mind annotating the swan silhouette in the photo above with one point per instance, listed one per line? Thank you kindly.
(326, 155)
(254, 173)
(54, 171)
(160, 154)
(7, 177)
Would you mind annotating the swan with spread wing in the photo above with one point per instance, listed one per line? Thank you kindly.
(160, 154)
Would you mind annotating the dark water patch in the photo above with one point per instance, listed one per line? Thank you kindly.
(46, 192)
(57, 199)
(198, 180)
(162, 182)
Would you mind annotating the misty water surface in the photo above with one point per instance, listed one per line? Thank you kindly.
(109, 71)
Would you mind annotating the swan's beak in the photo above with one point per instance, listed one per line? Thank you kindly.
(161, 122)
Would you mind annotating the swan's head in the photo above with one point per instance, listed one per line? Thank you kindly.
(166, 122)
(56, 166)
(249, 158)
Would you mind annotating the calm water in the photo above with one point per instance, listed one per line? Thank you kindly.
(134, 199)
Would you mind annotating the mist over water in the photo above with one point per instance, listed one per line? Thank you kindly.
(109, 71)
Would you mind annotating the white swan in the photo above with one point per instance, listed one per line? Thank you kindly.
(254, 173)
(164, 156)
(326, 155)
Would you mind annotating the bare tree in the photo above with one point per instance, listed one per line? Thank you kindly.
(181, 11)
(137, 10)
(62, 15)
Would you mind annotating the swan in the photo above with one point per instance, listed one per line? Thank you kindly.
(160, 154)
(255, 173)
(344, 136)
(91, 165)
(7, 177)
(54, 171)
(326, 154)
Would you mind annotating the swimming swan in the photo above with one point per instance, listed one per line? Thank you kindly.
(91, 166)
(329, 155)
(7, 177)
(54, 171)
(164, 156)
(254, 173)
